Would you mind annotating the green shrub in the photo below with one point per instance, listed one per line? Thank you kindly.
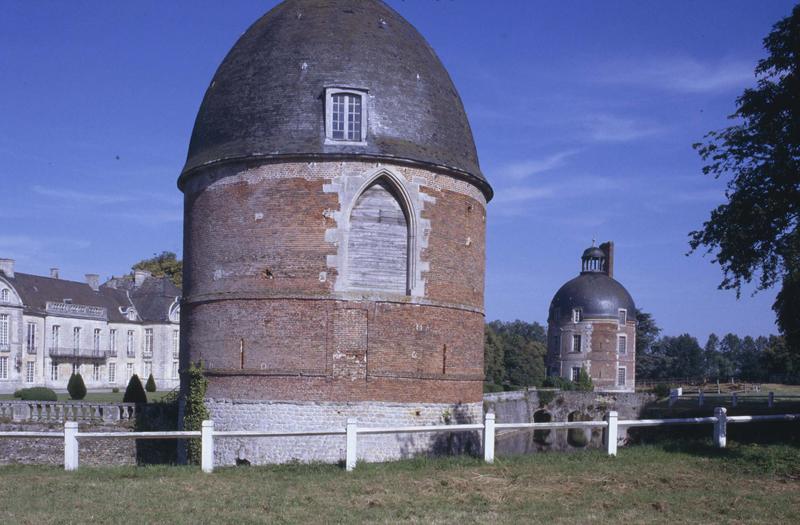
(546, 397)
(196, 411)
(115, 390)
(661, 390)
(491, 387)
(150, 386)
(76, 387)
(134, 393)
(38, 393)
(584, 383)
(559, 382)
(18, 393)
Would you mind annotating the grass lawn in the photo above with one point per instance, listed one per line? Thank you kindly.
(655, 484)
(102, 397)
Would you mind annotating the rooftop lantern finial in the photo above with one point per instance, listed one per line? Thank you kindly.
(593, 259)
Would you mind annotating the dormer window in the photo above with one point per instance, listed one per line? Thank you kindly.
(576, 315)
(622, 315)
(345, 116)
(4, 295)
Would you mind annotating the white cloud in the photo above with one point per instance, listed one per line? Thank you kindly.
(684, 75)
(611, 128)
(526, 168)
(79, 196)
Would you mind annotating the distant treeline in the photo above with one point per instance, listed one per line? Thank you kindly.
(514, 356)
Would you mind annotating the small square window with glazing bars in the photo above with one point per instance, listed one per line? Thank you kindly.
(345, 121)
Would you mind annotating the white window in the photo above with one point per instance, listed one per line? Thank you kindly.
(577, 317)
(4, 330)
(176, 343)
(3, 368)
(56, 335)
(130, 345)
(148, 341)
(622, 316)
(346, 116)
(576, 373)
(96, 340)
(112, 372)
(148, 368)
(76, 368)
(622, 344)
(174, 370)
(30, 338)
(129, 370)
(4, 295)
(576, 343)
(76, 338)
(95, 372)
(112, 341)
(53, 371)
(621, 376)
(30, 371)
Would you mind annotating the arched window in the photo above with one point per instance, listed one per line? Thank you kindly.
(378, 240)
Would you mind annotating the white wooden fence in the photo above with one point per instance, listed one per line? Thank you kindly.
(72, 436)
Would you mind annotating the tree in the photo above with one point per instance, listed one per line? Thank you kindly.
(647, 331)
(134, 393)
(584, 383)
(756, 234)
(493, 359)
(165, 264)
(150, 386)
(76, 387)
(196, 410)
(649, 361)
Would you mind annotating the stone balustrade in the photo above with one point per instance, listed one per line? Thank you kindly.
(55, 411)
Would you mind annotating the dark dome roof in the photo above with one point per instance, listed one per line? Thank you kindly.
(596, 294)
(266, 99)
(594, 251)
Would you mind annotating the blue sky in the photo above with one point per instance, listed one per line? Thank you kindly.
(583, 113)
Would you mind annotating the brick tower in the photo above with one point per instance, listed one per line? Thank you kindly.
(592, 325)
(334, 235)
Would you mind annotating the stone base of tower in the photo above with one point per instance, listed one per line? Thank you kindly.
(295, 416)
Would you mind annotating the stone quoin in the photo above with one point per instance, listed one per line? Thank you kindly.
(334, 237)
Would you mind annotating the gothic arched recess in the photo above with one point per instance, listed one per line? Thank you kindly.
(378, 240)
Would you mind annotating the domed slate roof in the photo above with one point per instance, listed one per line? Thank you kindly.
(596, 294)
(266, 100)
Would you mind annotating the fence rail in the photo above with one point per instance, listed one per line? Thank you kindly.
(207, 434)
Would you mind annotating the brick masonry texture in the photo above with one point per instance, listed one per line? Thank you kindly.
(599, 355)
(289, 343)
(264, 314)
(285, 416)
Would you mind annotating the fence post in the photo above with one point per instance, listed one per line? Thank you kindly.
(734, 399)
(351, 452)
(771, 399)
(673, 396)
(488, 437)
(701, 398)
(70, 445)
(612, 433)
(207, 446)
(721, 427)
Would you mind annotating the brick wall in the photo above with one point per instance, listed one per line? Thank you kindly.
(266, 310)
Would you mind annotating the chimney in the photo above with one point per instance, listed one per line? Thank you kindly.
(54, 273)
(7, 267)
(608, 248)
(139, 277)
(93, 280)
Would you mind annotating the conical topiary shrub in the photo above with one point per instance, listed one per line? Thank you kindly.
(134, 393)
(76, 387)
(150, 386)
